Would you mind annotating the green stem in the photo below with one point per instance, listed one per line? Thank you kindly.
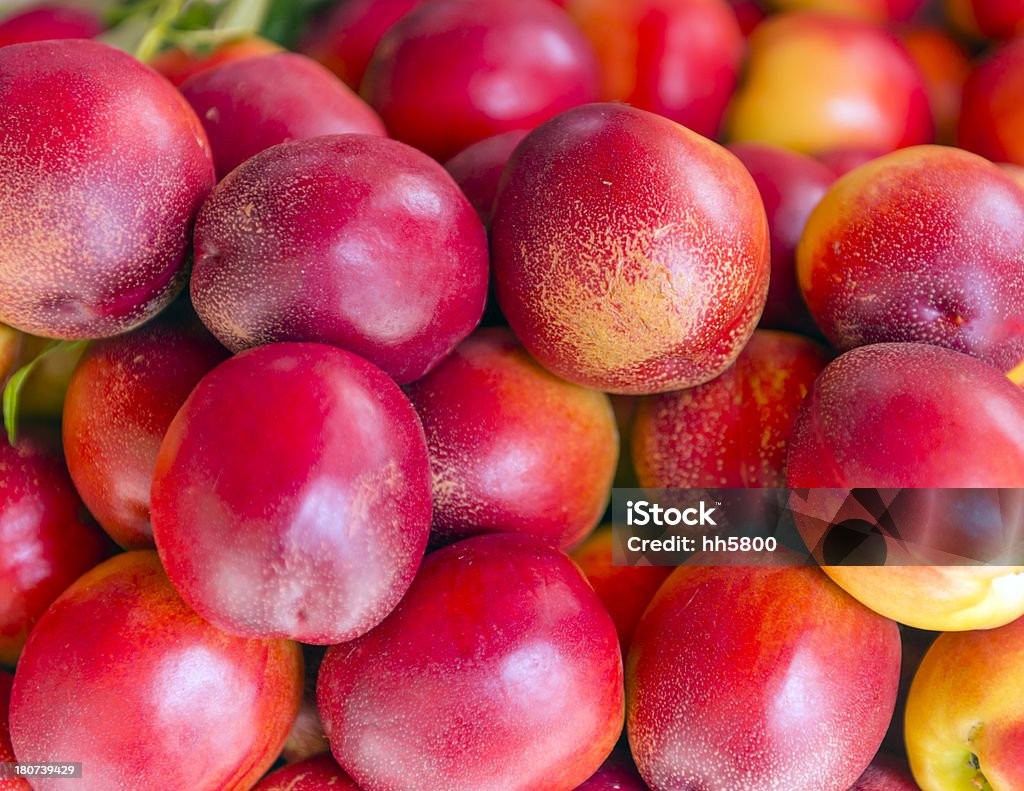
(153, 40)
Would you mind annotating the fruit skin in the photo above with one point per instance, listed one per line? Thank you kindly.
(121, 399)
(879, 12)
(251, 104)
(345, 41)
(965, 702)
(749, 14)
(885, 416)
(353, 240)
(842, 160)
(839, 63)
(120, 674)
(130, 168)
(885, 774)
(625, 591)
(12, 344)
(6, 750)
(677, 58)
(808, 670)
(1016, 172)
(306, 514)
(453, 72)
(992, 112)
(951, 278)
(178, 65)
(477, 169)
(45, 23)
(513, 449)
(46, 538)
(945, 67)
(732, 431)
(791, 185)
(499, 669)
(630, 254)
(1000, 19)
(319, 773)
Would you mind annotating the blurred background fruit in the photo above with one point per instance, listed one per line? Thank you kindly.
(859, 87)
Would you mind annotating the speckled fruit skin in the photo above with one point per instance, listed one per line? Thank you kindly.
(615, 774)
(46, 537)
(731, 431)
(46, 23)
(953, 277)
(839, 63)
(248, 105)
(306, 513)
(514, 449)
(350, 33)
(122, 675)
(353, 240)
(320, 773)
(885, 774)
(6, 750)
(910, 415)
(1001, 19)
(945, 67)
(992, 113)
(177, 64)
(965, 701)
(453, 72)
(477, 169)
(630, 254)
(98, 197)
(678, 58)
(625, 591)
(758, 679)
(499, 669)
(791, 185)
(121, 399)
(877, 11)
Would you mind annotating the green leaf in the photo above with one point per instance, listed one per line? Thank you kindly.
(12, 391)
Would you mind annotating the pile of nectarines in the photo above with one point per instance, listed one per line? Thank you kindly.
(330, 326)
